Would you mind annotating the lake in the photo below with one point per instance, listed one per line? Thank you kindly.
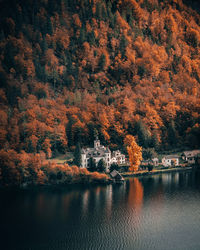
(155, 212)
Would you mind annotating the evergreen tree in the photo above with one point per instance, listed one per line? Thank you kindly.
(102, 62)
(69, 132)
(49, 26)
(148, 153)
(101, 167)
(123, 45)
(91, 38)
(82, 36)
(77, 155)
(98, 13)
(2, 35)
(104, 13)
(154, 142)
(92, 165)
(44, 45)
(114, 166)
(143, 134)
(172, 134)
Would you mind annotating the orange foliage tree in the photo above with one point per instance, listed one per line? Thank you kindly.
(134, 152)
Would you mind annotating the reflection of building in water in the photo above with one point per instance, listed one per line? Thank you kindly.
(109, 201)
(175, 179)
(135, 196)
(85, 202)
(166, 179)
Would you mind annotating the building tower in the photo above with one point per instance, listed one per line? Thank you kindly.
(96, 143)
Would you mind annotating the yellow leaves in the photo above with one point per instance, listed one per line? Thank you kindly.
(194, 91)
(105, 134)
(62, 36)
(170, 110)
(186, 63)
(3, 118)
(193, 37)
(107, 57)
(152, 118)
(3, 139)
(132, 4)
(171, 23)
(52, 60)
(88, 27)
(77, 20)
(130, 54)
(86, 46)
(170, 90)
(103, 119)
(122, 23)
(134, 152)
(34, 141)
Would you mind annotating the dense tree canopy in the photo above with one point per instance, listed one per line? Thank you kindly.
(69, 68)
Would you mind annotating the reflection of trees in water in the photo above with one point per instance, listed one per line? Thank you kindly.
(154, 187)
(135, 195)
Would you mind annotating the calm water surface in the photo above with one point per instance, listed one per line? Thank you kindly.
(159, 212)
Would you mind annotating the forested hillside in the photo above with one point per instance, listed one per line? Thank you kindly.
(69, 68)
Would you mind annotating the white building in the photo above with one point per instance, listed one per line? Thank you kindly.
(190, 156)
(170, 160)
(118, 157)
(99, 152)
(155, 161)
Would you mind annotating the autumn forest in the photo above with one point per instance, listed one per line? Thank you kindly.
(69, 68)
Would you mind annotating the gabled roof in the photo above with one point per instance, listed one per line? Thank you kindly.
(115, 174)
(171, 156)
(191, 153)
(95, 152)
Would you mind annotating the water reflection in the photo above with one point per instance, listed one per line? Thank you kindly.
(135, 194)
(139, 214)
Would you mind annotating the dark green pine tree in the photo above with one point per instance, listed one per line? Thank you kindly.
(69, 132)
(123, 45)
(102, 62)
(82, 37)
(77, 155)
(143, 133)
(44, 45)
(98, 13)
(49, 28)
(172, 134)
(91, 38)
(92, 165)
(101, 167)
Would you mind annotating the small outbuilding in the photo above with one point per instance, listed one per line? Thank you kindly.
(190, 156)
(116, 176)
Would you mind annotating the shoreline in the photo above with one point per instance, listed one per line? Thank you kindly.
(154, 172)
(109, 181)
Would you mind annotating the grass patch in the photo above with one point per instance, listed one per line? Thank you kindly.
(62, 158)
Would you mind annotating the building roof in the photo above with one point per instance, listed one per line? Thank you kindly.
(95, 152)
(155, 159)
(115, 174)
(171, 156)
(191, 153)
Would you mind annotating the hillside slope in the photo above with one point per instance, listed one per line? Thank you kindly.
(71, 68)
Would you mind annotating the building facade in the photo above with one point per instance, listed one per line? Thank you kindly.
(170, 160)
(190, 156)
(118, 157)
(99, 152)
